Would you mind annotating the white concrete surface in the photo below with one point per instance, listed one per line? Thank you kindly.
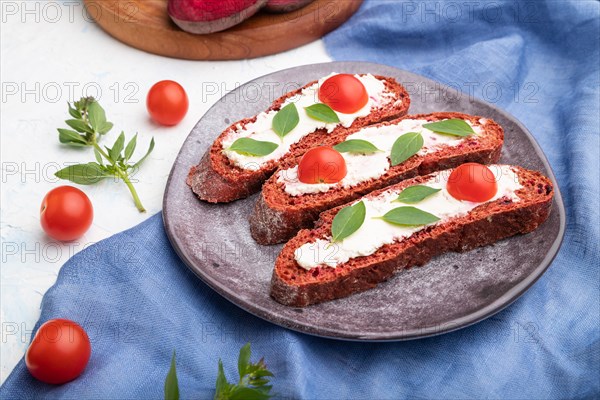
(51, 54)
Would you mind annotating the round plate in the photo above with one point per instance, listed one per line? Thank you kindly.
(146, 25)
(450, 292)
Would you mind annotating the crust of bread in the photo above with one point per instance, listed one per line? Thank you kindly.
(294, 286)
(278, 216)
(216, 180)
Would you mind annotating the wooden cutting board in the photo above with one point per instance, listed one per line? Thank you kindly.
(145, 24)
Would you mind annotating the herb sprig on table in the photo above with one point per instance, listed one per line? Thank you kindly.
(88, 125)
(253, 383)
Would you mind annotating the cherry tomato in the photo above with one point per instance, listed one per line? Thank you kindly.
(66, 213)
(472, 182)
(344, 93)
(167, 103)
(59, 352)
(322, 165)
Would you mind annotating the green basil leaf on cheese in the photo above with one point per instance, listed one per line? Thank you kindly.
(415, 194)
(405, 147)
(347, 221)
(455, 127)
(322, 112)
(251, 147)
(356, 146)
(410, 216)
(285, 120)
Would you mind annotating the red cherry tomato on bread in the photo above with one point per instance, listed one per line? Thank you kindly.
(344, 93)
(472, 182)
(66, 213)
(167, 103)
(59, 352)
(322, 165)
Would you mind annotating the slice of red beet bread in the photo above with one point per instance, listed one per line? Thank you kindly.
(294, 286)
(217, 180)
(277, 215)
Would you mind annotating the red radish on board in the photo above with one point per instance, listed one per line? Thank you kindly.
(283, 6)
(208, 16)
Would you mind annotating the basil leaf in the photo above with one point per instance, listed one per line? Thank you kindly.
(285, 120)
(356, 146)
(222, 386)
(455, 127)
(130, 148)
(322, 112)
(67, 136)
(107, 126)
(108, 153)
(137, 164)
(251, 147)
(244, 359)
(79, 126)
(405, 147)
(83, 174)
(96, 116)
(98, 156)
(409, 216)
(347, 221)
(77, 144)
(415, 194)
(73, 112)
(115, 152)
(171, 384)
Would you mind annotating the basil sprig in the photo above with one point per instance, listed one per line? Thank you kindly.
(405, 147)
(90, 124)
(347, 221)
(285, 120)
(356, 146)
(118, 165)
(251, 147)
(322, 112)
(409, 216)
(455, 127)
(415, 194)
(254, 380)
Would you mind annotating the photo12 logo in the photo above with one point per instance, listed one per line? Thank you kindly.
(54, 92)
(52, 12)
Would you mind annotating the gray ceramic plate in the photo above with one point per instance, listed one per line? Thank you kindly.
(450, 292)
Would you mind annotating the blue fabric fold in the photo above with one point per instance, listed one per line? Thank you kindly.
(138, 301)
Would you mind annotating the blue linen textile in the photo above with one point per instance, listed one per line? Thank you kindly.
(140, 302)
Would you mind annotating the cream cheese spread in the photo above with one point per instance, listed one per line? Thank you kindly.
(262, 130)
(363, 167)
(375, 233)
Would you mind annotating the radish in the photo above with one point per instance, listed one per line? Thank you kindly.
(208, 16)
